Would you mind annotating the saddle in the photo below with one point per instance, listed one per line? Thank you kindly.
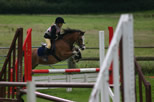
(52, 51)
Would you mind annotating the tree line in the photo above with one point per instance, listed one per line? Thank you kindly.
(73, 6)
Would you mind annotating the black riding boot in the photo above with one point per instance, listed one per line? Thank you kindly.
(46, 53)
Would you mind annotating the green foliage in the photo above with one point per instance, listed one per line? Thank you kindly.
(73, 6)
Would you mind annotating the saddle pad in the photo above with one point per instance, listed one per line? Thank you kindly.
(40, 51)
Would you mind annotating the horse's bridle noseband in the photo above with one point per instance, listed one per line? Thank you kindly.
(82, 46)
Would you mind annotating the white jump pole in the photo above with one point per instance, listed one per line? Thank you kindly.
(101, 47)
(101, 59)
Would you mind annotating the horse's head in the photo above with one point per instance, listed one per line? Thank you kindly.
(77, 36)
(80, 40)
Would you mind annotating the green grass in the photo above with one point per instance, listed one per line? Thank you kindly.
(77, 94)
(143, 36)
(82, 94)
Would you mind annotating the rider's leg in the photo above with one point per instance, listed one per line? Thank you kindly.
(48, 42)
(47, 49)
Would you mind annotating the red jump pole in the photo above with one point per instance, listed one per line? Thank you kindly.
(111, 66)
(31, 97)
(27, 48)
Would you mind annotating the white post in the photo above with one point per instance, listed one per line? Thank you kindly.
(101, 58)
(68, 79)
(85, 78)
(31, 96)
(105, 85)
(116, 78)
(128, 59)
(101, 47)
(124, 30)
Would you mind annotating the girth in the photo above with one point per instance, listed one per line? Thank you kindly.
(57, 58)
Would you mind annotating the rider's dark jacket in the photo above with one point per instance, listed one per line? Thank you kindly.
(52, 32)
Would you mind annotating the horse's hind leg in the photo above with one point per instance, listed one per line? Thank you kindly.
(35, 59)
(34, 63)
(33, 66)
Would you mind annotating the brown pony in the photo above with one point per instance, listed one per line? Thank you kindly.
(64, 47)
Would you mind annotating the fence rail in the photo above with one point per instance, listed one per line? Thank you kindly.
(88, 47)
(8, 70)
(140, 58)
(146, 84)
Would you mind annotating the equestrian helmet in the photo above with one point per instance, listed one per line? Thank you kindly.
(59, 20)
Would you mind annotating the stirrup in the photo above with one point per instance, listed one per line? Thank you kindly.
(43, 44)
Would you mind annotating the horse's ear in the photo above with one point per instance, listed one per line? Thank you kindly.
(82, 33)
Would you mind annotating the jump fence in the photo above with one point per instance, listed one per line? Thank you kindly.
(123, 38)
(120, 53)
(8, 72)
(83, 70)
(142, 82)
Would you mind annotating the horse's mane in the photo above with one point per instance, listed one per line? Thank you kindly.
(70, 31)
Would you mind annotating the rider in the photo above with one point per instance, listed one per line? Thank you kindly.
(52, 33)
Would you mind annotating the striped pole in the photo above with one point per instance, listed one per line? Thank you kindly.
(66, 70)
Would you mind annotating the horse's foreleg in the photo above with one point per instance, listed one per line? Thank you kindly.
(35, 62)
(75, 52)
(69, 53)
(77, 55)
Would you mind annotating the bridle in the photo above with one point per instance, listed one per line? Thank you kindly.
(82, 46)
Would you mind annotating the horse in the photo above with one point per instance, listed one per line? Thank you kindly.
(64, 47)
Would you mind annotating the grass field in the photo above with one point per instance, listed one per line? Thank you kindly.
(143, 36)
(82, 94)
